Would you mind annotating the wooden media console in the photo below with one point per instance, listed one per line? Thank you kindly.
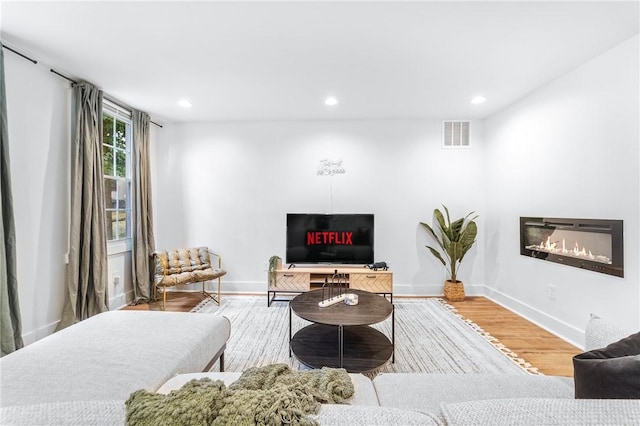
(303, 279)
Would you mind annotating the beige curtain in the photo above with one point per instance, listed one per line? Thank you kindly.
(10, 320)
(87, 289)
(143, 239)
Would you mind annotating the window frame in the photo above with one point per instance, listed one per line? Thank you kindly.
(117, 113)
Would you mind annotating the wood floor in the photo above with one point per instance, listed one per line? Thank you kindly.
(177, 301)
(550, 354)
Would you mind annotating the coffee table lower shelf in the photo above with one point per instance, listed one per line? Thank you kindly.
(365, 348)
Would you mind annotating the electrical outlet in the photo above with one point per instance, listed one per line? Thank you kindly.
(551, 291)
(116, 278)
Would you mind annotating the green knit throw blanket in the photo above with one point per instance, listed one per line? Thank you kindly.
(270, 395)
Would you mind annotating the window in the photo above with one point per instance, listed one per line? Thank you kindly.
(116, 159)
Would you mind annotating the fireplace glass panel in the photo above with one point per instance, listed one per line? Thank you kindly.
(592, 244)
(579, 244)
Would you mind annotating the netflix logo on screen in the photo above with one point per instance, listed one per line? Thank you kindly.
(326, 237)
(330, 238)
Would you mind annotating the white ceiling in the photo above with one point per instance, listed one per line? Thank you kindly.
(279, 60)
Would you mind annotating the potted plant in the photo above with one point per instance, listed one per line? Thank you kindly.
(275, 262)
(455, 239)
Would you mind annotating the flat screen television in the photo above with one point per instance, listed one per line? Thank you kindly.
(329, 238)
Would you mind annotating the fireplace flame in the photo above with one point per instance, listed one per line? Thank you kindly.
(577, 251)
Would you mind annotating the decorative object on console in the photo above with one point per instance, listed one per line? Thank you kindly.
(275, 263)
(455, 239)
(351, 299)
(378, 265)
(334, 292)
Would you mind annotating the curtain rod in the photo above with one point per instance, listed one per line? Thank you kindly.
(107, 97)
(66, 78)
(63, 76)
(20, 54)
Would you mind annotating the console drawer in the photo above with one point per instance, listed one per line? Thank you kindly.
(291, 281)
(374, 282)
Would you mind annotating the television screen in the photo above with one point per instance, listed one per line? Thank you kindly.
(330, 238)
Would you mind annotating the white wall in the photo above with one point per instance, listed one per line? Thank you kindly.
(569, 149)
(38, 109)
(230, 185)
(119, 266)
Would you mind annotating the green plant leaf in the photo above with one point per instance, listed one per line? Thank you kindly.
(446, 210)
(433, 234)
(437, 254)
(455, 251)
(468, 237)
(466, 218)
(454, 238)
(456, 227)
(440, 219)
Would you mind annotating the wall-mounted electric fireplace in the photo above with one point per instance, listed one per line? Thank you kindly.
(592, 244)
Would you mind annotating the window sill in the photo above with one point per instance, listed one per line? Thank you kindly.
(119, 246)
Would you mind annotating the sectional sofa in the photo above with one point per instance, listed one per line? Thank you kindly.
(404, 399)
(461, 399)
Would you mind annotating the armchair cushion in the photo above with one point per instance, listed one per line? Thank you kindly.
(184, 266)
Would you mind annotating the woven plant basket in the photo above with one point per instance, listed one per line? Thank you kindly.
(454, 291)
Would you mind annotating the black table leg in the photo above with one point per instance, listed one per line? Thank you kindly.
(289, 329)
(340, 345)
(393, 333)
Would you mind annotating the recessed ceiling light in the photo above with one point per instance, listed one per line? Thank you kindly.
(478, 100)
(331, 101)
(185, 103)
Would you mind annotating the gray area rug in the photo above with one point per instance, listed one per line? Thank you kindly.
(430, 338)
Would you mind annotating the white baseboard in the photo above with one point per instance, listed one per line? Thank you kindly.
(119, 301)
(415, 290)
(553, 325)
(40, 333)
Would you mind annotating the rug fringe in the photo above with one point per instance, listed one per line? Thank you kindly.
(520, 362)
(200, 305)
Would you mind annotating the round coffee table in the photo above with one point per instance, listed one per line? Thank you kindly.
(340, 336)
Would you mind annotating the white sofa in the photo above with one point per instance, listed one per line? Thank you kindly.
(460, 399)
(403, 399)
(110, 355)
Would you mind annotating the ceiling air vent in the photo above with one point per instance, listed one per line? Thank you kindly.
(455, 134)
